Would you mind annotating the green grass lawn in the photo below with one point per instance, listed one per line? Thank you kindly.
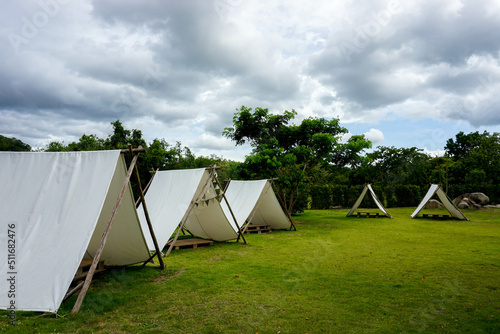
(332, 275)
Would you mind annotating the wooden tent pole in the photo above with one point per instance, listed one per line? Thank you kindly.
(184, 219)
(147, 186)
(227, 185)
(232, 214)
(145, 209)
(105, 234)
(151, 179)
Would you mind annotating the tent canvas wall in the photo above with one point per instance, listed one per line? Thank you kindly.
(368, 188)
(255, 201)
(169, 198)
(436, 189)
(56, 206)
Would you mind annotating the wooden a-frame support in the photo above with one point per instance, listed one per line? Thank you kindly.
(191, 207)
(147, 186)
(97, 256)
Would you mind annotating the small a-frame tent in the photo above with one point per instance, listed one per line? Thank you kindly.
(436, 189)
(254, 202)
(368, 188)
(186, 197)
(54, 209)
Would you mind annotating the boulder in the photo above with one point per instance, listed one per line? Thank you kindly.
(471, 201)
(463, 204)
(479, 198)
(433, 204)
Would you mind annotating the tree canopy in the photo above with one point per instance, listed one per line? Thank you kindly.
(292, 153)
(13, 144)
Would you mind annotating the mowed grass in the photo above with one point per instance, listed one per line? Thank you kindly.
(333, 275)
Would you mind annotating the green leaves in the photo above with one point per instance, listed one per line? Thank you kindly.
(290, 151)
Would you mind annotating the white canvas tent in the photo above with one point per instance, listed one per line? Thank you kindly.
(368, 188)
(185, 196)
(254, 202)
(56, 207)
(436, 189)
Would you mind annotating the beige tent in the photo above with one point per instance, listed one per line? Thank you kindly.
(368, 188)
(255, 203)
(436, 189)
(59, 207)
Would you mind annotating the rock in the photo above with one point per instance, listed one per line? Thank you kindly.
(492, 206)
(463, 204)
(479, 198)
(471, 201)
(336, 207)
(433, 204)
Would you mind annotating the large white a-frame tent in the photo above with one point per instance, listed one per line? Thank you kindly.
(54, 208)
(436, 189)
(368, 188)
(254, 202)
(187, 197)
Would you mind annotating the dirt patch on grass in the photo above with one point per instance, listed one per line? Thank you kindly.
(169, 274)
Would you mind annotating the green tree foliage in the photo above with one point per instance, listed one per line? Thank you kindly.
(476, 161)
(296, 154)
(13, 144)
(399, 165)
(159, 154)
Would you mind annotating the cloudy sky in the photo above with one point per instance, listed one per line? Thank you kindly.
(404, 73)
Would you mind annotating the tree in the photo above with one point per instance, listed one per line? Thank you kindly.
(476, 161)
(399, 165)
(13, 144)
(291, 152)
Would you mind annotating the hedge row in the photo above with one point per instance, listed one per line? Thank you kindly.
(327, 195)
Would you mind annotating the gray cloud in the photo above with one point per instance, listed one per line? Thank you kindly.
(180, 69)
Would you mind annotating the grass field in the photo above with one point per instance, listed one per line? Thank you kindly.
(332, 275)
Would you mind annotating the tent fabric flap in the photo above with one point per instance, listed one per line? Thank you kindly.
(168, 198)
(54, 200)
(126, 243)
(256, 200)
(207, 220)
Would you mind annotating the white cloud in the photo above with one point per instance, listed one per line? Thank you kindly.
(375, 136)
